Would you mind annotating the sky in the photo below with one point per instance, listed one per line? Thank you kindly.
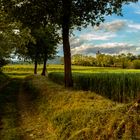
(115, 36)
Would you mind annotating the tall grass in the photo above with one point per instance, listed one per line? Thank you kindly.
(121, 87)
(83, 115)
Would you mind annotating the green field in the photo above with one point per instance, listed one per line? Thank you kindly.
(24, 70)
(33, 107)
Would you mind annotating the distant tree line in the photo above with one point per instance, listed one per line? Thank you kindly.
(105, 60)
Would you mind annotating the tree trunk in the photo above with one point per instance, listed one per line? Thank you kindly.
(66, 44)
(35, 67)
(44, 67)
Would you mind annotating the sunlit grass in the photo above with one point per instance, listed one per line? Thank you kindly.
(21, 71)
(81, 115)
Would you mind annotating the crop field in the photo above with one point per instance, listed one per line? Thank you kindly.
(122, 85)
(24, 70)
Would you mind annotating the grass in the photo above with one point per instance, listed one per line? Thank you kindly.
(121, 87)
(60, 68)
(67, 114)
(81, 115)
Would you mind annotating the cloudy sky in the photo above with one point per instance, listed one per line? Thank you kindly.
(116, 35)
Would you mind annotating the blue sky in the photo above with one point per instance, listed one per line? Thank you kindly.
(116, 35)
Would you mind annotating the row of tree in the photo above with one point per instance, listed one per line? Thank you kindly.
(103, 60)
(36, 44)
(62, 15)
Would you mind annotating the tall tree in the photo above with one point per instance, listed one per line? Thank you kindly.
(47, 39)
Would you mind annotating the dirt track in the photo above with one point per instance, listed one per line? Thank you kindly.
(19, 116)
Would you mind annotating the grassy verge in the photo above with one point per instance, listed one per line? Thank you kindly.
(81, 115)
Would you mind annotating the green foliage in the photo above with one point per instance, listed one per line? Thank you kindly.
(136, 64)
(103, 60)
(82, 13)
(47, 39)
(121, 87)
(11, 36)
(82, 60)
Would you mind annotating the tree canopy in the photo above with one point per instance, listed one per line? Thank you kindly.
(44, 48)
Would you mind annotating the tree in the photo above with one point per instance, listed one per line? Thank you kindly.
(32, 16)
(44, 47)
(131, 57)
(47, 40)
(6, 36)
(11, 36)
(69, 14)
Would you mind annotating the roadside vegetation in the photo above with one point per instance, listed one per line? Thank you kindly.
(40, 109)
(80, 115)
(37, 108)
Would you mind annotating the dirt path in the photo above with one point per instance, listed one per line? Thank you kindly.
(30, 119)
(4, 85)
(20, 118)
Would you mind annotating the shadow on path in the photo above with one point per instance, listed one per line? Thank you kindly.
(19, 117)
(9, 124)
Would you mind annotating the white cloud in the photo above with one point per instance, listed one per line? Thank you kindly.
(92, 36)
(134, 26)
(114, 44)
(107, 48)
(138, 49)
(75, 41)
(112, 26)
(137, 12)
